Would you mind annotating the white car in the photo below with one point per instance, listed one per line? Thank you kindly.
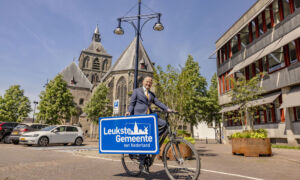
(61, 134)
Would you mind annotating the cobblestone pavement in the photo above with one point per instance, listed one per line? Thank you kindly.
(85, 163)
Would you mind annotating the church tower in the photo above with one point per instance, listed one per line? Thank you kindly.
(95, 61)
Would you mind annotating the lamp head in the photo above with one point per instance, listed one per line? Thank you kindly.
(119, 31)
(158, 26)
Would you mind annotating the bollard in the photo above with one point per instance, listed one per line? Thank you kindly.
(206, 140)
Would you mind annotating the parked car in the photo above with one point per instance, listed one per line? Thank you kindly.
(23, 128)
(5, 129)
(61, 134)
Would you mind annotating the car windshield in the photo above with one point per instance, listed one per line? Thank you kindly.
(49, 128)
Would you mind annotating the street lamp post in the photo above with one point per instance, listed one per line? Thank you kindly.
(35, 103)
(138, 28)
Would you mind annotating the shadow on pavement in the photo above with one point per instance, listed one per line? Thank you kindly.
(203, 152)
(153, 175)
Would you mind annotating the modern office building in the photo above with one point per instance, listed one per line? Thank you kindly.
(266, 38)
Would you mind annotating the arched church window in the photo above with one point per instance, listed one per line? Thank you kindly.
(96, 64)
(104, 65)
(121, 95)
(85, 63)
(111, 88)
(81, 100)
(93, 78)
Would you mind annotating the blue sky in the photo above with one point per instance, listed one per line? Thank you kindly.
(39, 38)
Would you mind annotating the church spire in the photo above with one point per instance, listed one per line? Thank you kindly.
(96, 35)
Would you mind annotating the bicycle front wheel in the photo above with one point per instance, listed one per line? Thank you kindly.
(131, 164)
(181, 160)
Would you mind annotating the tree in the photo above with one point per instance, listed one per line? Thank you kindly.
(166, 89)
(243, 93)
(56, 102)
(212, 105)
(192, 93)
(99, 104)
(14, 106)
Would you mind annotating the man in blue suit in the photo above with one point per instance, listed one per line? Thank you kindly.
(141, 100)
(140, 103)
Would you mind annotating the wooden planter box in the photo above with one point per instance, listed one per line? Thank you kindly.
(185, 151)
(251, 147)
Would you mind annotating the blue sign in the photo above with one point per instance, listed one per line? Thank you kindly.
(129, 135)
(116, 104)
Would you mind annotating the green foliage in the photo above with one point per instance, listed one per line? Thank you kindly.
(260, 133)
(166, 89)
(14, 106)
(56, 103)
(190, 139)
(99, 105)
(243, 93)
(212, 102)
(183, 90)
(192, 90)
(285, 147)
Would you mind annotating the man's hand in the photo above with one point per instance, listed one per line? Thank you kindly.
(127, 114)
(170, 110)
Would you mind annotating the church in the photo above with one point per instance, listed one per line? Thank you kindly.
(94, 67)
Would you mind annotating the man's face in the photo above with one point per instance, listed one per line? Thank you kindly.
(147, 83)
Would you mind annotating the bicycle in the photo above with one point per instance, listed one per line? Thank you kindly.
(176, 164)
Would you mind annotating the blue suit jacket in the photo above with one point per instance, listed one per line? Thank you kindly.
(139, 102)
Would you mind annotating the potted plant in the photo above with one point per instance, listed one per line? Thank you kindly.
(250, 142)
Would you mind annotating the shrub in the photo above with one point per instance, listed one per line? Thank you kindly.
(190, 139)
(260, 133)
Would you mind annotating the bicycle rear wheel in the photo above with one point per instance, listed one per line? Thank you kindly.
(181, 160)
(131, 164)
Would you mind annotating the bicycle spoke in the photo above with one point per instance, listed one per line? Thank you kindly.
(181, 160)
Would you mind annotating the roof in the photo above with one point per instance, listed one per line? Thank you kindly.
(127, 59)
(73, 75)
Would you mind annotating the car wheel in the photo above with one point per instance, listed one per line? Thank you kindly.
(78, 141)
(6, 140)
(15, 142)
(43, 141)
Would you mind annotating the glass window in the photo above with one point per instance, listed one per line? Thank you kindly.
(286, 8)
(234, 45)
(61, 128)
(292, 52)
(297, 4)
(244, 34)
(253, 30)
(276, 60)
(262, 116)
(268, 19)
(269, 115)
(71, 129)
(276, 12)
(257, 71)
(298, 113)
(260, 24)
